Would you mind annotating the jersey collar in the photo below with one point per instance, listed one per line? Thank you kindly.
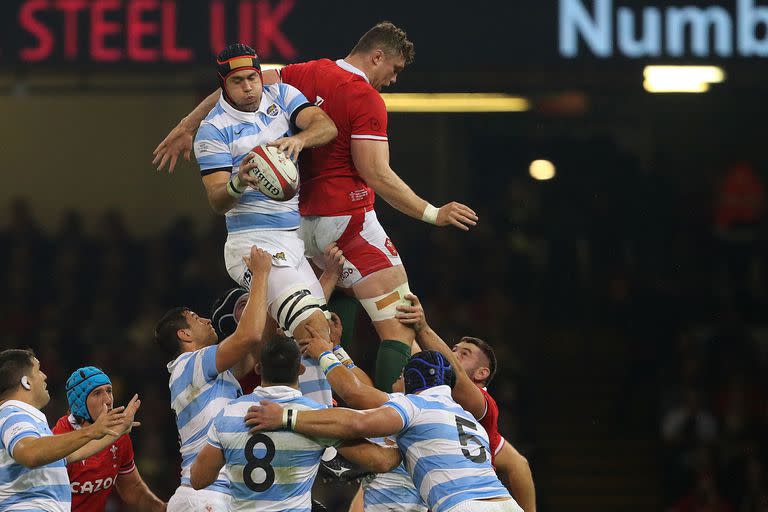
(436, 391)
(34, 411)
(352, 69)
(247, 117)
(277, 392)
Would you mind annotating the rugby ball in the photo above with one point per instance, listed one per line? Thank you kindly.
(277, 175)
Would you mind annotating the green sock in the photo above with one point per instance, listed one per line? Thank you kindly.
(347, 308)
(390, 361)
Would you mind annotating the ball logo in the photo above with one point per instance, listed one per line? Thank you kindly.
(270, 187)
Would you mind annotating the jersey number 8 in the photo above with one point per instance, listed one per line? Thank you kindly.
(465, 438)
(262, 463)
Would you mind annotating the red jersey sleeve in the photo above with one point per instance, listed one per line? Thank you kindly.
(292, 74)
(126, 463)
(490, 422)
(367, 113)
(62, 426)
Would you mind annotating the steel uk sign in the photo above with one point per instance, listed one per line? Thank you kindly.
(140, 31)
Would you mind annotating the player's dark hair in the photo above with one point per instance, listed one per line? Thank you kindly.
(167, 327)
(280, 361)
(387, 37)
(487, 349)
(14, 364)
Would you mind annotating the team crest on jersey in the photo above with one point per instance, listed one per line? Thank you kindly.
(280, 256)
(375, 124)
(272, 111)
(390, 247)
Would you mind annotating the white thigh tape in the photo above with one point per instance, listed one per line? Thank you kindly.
(384, 306)
(295, 306)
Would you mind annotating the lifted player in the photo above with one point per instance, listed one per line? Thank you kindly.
(341, 180)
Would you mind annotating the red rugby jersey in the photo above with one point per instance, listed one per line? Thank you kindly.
(490, 422)
(330, 184)
(92, 479)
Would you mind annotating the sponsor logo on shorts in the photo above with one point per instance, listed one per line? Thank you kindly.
(319, 101)
(280, 256)
(272, 111)
(345, 274)
(390, 247)
(247, 276)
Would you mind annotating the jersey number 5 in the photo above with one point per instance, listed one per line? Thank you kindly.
(465, 438)
(263, 463)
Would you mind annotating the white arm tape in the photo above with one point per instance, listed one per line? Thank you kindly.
(430, 214)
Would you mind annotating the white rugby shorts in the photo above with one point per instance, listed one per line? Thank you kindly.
(365, 244)
(186, 499)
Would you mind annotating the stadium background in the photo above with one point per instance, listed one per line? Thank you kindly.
(626, 291)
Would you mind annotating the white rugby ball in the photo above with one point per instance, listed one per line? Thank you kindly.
(277, 174)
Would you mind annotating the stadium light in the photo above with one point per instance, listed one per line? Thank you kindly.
(454, 102)
(695, 79)
(542, 170)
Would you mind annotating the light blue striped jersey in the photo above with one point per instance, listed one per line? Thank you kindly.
(313, 384)
(198, 393)
(227, 135)
(44, 488)
(384, 492)
(269, 471)
(446, 452)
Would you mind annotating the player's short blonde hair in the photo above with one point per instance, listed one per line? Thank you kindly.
(387, 37)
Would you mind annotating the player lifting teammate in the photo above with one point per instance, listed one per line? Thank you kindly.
(340, 180)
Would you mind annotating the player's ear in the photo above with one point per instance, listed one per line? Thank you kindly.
(302, 369)
(378, 56)
(184, 335)
(482, 373)
(257, 368)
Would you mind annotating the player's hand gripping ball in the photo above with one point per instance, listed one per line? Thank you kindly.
(277, 175)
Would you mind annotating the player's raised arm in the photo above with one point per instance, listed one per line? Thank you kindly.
(343, 381)
(465, 392)
(371, 159)
(251, 326)
(179, 140)
(515, 473)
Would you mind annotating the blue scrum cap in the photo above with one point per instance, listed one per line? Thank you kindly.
(79, 386)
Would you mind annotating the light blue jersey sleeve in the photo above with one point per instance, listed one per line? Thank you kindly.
(212, 149)
(404, 408)
(16, 427)
(291, 100)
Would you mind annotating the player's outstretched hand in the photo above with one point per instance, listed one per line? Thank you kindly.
(334, 324)
(109, 423)
(266, 416)
(315, 344)
(259, 262)
(291, 146)
(178, 142)
(456, 214)
(412, 316)
(130, 413)
(333, 258)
